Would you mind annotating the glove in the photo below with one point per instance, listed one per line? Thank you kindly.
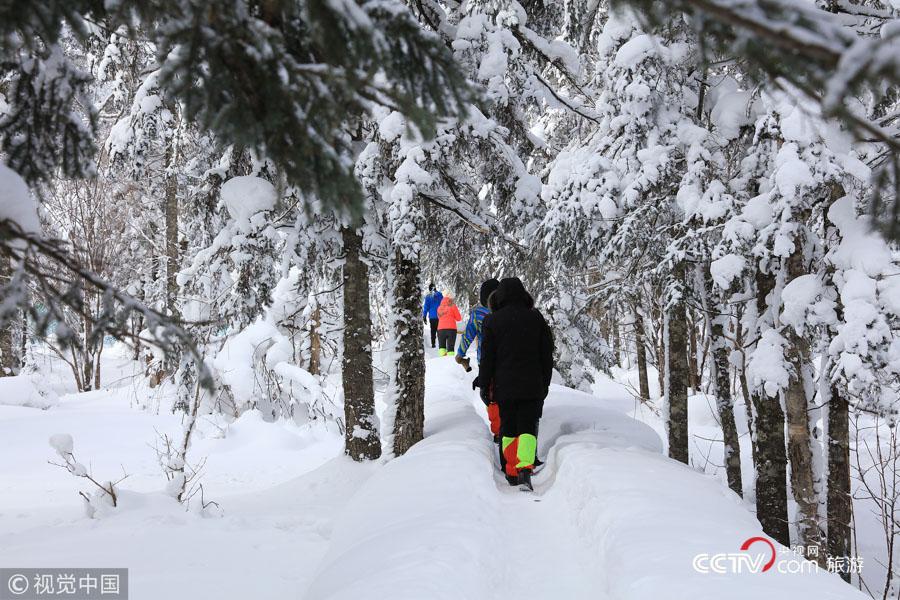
(475, 383)
(485, 396)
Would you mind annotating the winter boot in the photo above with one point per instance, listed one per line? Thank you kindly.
(512, 481)
(451, 353)
(524, 480)
(442, 352)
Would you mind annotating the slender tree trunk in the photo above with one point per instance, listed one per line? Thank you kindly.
(659, 348)
(172, 249)
(137, 324)
(677, 378)
(315, 338)
(742, 381)
(725, 404)
(23, 340)
(409, 425)
(748, 408)
(771, 474)
(87, 364)
(796, 402)
(839, 500)
(361, 441)
(716, 317)
(617, 339)
(693, 376)
(641, 350)
(9, 361)
(97, 354)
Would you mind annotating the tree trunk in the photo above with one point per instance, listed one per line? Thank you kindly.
(677, 379)
(97, 363)
(716, 316)
(361, 441)
(23, 340)
(839, 500)
(659, 348)
(87, 358)
(796, 402)
(617, 339)
(725, 403)
(315, 338)
(641, 350)
(172, 250)
(409, 424)
(771, 474)
(9, 360)
(742, 380)
(693, 376)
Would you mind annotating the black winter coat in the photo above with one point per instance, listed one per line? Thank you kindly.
(516, 347)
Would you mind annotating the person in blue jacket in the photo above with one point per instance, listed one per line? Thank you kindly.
(476, 317)
(430, 310)
(473, 332)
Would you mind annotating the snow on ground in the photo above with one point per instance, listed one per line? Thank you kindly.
(707, 455)
(26, 390)
(278, 485)
(611, 517)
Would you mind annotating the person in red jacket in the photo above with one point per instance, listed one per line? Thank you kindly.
(448, 317)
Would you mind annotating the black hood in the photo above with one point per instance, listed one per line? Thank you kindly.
(487, 288)
(511, 292)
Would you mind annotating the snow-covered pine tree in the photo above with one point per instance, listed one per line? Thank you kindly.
(611, 194)
(832, 53)
(262, 78)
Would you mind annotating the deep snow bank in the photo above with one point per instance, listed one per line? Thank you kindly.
(421, 528)
(611, 517)
(279, 486)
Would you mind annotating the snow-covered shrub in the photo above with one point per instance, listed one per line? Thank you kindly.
(580, 346)
(258, 369)
(99, 500)
(26, 390)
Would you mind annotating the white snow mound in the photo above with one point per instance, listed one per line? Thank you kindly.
(16, 201)
(247, 195)
(22, 390)
(610, 517)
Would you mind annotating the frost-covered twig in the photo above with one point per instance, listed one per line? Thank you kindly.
(64, 446)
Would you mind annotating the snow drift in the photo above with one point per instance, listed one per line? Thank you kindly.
(610, 517)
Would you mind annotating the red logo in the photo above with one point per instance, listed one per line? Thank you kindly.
(750, 541)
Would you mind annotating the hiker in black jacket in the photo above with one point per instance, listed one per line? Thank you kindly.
(516, 365)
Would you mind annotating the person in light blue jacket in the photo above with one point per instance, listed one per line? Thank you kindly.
(430, 310)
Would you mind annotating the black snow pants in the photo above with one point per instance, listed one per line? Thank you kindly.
(433, 321)
(447, 339)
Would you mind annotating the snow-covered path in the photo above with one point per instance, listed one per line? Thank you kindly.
(611, 517)
(543, 556)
